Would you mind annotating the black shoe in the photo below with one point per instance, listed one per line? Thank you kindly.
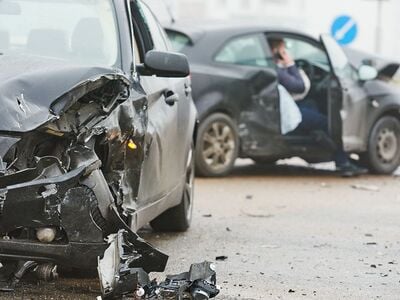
(350, 170)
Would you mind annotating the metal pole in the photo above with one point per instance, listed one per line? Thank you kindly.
(378, 27)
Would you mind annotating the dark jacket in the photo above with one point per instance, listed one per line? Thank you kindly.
(291, 79)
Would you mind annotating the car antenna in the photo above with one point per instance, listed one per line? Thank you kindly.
(171, 15)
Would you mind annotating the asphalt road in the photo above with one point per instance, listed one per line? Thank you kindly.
(288, 232)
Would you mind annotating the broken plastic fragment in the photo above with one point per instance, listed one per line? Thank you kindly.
(119, 277)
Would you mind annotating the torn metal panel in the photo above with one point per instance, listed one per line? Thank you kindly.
(259, 121)
(121, 275)
(74, 140)
(68, 172)
(73, 180)
(25, 103)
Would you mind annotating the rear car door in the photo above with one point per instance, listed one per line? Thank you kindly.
(247, 56)
(164, 164)
(347, 99)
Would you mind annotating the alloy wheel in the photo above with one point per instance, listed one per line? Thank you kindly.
(219, 144)
(387, 145)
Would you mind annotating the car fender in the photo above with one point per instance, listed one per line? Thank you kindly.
(213, 102)
(379, 107)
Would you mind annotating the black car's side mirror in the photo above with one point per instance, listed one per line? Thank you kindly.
(164, 64)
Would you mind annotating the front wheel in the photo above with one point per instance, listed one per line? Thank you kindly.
(179, 218)
(217, 146)
(383, 156)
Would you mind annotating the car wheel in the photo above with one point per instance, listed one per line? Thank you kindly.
(217, 146)
(383, 156)
(179, 218)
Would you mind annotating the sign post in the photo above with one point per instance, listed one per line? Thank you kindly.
(378, 32)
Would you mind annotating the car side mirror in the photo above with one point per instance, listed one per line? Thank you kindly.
(164, 64)
(366, 73)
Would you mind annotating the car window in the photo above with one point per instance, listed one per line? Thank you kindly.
(137, 52)
(155, 30)
(247, 50)
(300, 49)
(79, 31)
(179, 41)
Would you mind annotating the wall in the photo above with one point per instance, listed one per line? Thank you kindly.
(312, 16)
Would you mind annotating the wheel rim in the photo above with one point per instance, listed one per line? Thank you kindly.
(219, 145)
(387, 145)
(189, 186)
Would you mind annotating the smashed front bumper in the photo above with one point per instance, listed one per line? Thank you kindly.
(34, 199)
(76, 207)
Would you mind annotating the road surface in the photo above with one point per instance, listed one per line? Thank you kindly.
(287, 232)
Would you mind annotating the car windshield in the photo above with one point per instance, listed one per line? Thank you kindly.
(178, 40)
(79, 31)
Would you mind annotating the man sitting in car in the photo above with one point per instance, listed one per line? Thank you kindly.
(297, 83)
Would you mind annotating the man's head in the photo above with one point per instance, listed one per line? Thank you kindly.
(277, 45)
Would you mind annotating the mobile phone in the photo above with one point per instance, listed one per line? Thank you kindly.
(278, 56)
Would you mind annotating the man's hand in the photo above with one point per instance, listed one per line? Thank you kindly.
(287, 60)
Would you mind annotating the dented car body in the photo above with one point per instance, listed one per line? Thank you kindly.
(90, 148)
(235, 88)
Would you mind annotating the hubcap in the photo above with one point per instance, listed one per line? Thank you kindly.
(218, 146)
(387, 145)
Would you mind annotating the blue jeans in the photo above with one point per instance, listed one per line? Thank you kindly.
(313, 120)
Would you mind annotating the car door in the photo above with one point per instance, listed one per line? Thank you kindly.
(246, 57)
(164, 162)
(347, 99)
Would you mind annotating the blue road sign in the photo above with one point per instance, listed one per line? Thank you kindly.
(344, 29)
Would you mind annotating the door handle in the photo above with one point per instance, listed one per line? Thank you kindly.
(171, 97)
(188, 90)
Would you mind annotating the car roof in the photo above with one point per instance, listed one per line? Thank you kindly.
(196, 32)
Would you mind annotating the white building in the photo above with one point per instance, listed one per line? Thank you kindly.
(312, 16)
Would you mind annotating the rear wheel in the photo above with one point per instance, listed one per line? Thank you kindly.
(383, 156)
(217, 146)
(179, 218)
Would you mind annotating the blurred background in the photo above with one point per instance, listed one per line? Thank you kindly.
(368, 25)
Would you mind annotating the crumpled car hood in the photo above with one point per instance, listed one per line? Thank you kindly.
(379, 88)
(29, 85)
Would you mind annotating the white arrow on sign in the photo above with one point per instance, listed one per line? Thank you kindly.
(340, 34)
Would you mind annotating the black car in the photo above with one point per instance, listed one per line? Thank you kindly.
(235, 91)
(96, 133)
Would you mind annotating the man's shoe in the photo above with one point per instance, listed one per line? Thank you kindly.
(351, 170)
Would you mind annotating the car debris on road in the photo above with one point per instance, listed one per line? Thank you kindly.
(121, 274)
(365, 187)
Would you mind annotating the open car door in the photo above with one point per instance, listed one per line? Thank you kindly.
(347, 106)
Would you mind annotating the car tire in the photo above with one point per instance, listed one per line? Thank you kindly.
(383, 156)
(179, 218)
(217, 146)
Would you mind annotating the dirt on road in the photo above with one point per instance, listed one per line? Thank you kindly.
(282, 232)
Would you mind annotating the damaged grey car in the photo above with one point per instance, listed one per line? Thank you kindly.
(96, 140)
